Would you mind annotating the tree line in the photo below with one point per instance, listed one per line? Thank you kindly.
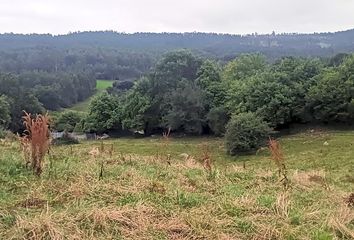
(38, 91)
(222, 46)
(192, 95)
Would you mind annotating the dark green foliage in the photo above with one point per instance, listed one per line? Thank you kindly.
(209, 80)
(59, 89)
(68, 120)
(244, 66)
(265, 95)
(186, 110)
(331, 97)
(120, 87)
(195, 97)
(245, 132)
(5, 117)
(167, 97)
(2, 132)
(137, 108)
(217, 120)
(104, 114)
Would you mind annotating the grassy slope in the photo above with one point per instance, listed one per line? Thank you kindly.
(141, 196)
(101, 85)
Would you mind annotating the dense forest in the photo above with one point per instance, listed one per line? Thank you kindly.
(112, 55)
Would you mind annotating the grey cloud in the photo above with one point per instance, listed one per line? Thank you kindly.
(232, 16)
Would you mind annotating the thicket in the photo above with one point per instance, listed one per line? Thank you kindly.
(195, 96)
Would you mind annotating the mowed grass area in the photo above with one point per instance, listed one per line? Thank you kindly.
(144, 194)
(101, 85)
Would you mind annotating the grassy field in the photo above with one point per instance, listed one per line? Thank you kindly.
(149, 189)
(101, 85)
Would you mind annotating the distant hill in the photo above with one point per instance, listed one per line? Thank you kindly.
(211, 44)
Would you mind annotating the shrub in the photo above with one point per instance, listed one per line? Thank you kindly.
(245, 132)
(68, 120)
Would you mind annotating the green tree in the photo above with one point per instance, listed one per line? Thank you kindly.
(68, 120)
(186, 109)
(209, 79)
(299, 77)
(243, 67)
(265, 95)
(5, 117)
(104, 114)
(331, 96)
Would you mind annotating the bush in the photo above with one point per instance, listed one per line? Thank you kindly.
(68, 120)
(245, 132)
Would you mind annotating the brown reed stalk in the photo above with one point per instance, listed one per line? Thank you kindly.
(37, 133)
(278, 158)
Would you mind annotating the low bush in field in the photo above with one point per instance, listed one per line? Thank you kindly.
(245, 132)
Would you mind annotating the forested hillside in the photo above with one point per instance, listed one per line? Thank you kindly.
(220, 45)
(39, 72)
(112, 55)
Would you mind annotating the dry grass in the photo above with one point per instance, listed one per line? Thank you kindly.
(141, 197)
(37, 139)
(341, 219)
(206, 157)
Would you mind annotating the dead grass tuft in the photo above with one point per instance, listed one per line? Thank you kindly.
(340, 221)
(43, 226)
(282, 205)
(38, 137)
(135, 223)
(308, 179)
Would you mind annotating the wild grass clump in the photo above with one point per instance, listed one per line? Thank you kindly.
(36, 142)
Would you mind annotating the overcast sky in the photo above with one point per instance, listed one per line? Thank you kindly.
(222, 16)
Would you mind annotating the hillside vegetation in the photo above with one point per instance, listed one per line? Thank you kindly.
(101, 86)
(158, 189)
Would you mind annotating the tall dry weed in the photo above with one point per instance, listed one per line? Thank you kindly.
(278, 158)
(36, 141)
